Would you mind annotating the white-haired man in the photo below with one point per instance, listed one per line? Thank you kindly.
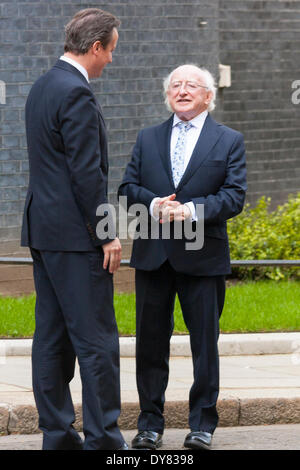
(187, 162)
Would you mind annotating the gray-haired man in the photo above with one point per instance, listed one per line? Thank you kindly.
(188, 160)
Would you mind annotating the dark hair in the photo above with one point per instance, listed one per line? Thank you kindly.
(87, 27)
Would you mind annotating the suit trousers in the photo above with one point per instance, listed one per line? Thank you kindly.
(75, 318)
(201, 299)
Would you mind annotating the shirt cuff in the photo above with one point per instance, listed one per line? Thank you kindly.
(152, 206)
(191, 206)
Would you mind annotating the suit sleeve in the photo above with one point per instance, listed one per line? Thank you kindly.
(131, 184)
(80, 132)
(229, 200)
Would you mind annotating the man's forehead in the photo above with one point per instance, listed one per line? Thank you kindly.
(186, 73)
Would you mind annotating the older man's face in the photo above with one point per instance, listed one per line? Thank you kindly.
(187, 93)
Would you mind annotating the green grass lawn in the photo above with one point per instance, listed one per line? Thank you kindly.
(249, 307)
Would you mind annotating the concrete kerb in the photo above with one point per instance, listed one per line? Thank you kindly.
(229, 345)
(23, 419)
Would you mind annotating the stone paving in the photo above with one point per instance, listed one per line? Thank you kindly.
(259, 401)
(254, 390)
(273, 437)
(245, 376)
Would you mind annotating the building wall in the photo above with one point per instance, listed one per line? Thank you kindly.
(155, 37)
(261, 42)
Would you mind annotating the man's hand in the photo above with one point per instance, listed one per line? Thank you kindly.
(163, 203)
(177, 213)
(112, 255)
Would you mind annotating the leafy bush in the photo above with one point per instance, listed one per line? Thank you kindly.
(259, 233)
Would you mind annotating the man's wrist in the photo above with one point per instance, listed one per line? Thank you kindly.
(192, 210)
(151, 208)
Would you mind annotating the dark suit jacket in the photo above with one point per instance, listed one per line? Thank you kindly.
(215, 177)
(67, 150)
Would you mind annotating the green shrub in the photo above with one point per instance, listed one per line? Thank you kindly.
(259, 233)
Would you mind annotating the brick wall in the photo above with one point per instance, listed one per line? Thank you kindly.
(261, 41)
(155, 37)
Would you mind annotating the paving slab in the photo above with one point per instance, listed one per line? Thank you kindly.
(254, 390)
(252, 376)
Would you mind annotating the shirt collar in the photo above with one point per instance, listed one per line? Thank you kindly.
(76, 65)
(196, 121)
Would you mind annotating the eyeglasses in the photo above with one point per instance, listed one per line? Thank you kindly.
(189, 86)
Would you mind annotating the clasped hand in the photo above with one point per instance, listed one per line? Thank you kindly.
(169, 210)
(166, 209)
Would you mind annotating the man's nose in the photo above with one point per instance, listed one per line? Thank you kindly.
(182, 90)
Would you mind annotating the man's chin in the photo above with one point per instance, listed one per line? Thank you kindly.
(183, 109)
(184, 114)
(96, 74)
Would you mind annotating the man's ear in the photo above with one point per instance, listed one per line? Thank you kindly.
(97, 46)
(209, 97)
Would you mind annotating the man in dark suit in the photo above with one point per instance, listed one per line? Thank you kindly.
(73, 268)
(187, 162)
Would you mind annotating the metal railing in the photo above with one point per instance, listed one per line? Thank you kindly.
(234, 263)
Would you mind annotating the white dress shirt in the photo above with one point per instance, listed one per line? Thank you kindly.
(191, 139)
(76, 65)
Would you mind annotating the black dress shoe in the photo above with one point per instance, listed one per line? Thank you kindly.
(147, 440)
(198, 440)
(124, 446)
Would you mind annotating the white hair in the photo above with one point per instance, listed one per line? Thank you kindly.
(208, 80)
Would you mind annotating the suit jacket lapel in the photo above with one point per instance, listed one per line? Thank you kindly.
(210, 134)
(163, 138)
